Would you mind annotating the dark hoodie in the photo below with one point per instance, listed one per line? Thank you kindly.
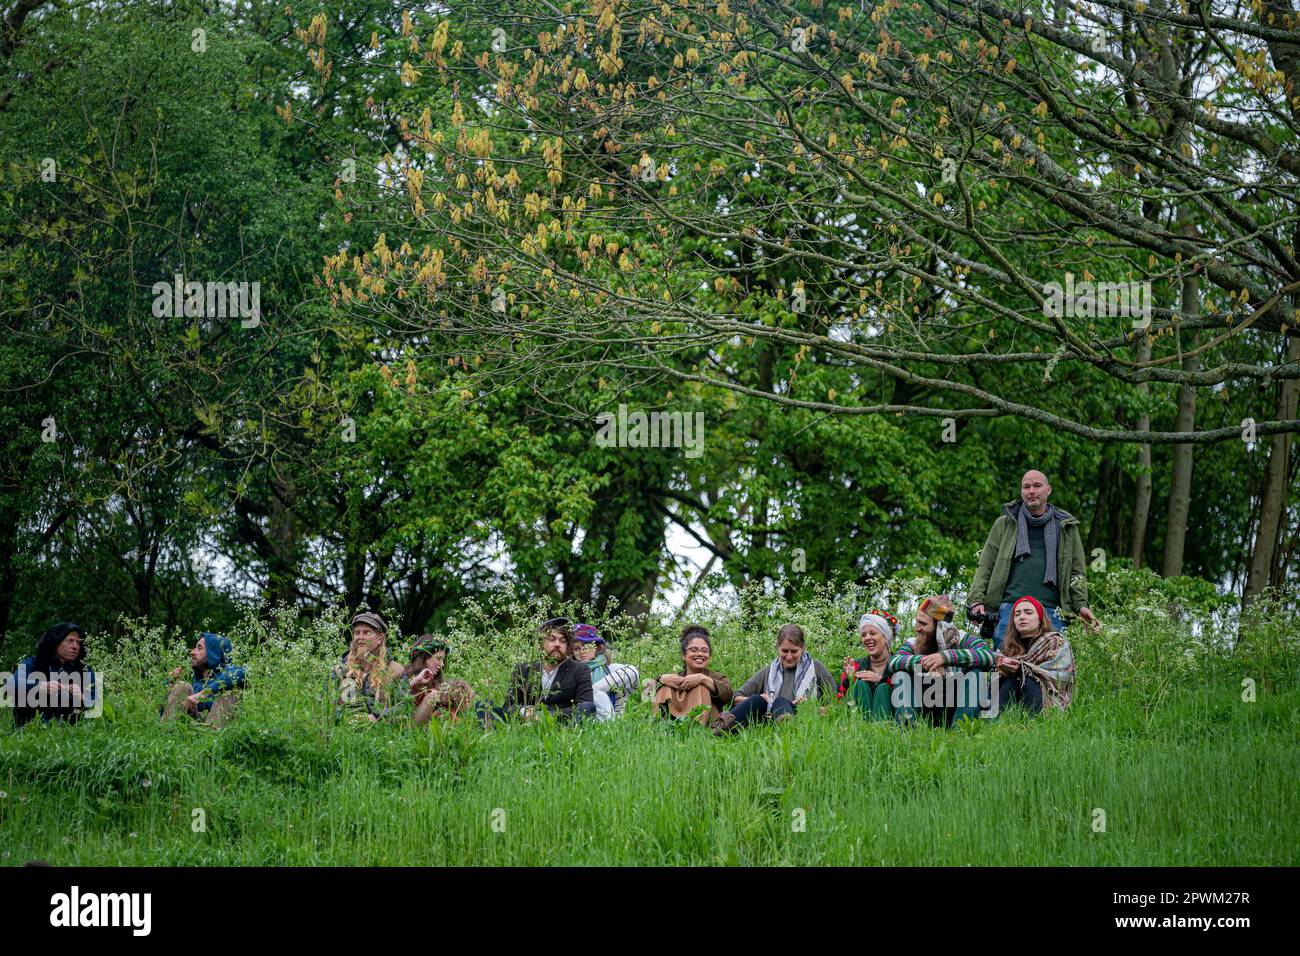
(45, 665)
(221, 676)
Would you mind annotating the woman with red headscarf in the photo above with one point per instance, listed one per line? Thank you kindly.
(1035, 664)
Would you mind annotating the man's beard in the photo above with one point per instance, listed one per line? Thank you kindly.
(927, 644)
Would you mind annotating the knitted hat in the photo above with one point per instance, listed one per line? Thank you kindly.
(587, 634)
(1042, 615)
(937, 606)
(883, 621)
(370, 619)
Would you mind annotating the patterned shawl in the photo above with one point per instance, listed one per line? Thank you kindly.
(1051, 660)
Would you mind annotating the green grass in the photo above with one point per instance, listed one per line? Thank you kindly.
(1210, 781)
(1159, 737)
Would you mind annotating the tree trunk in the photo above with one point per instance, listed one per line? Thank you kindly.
(1272, 500)
(1142, 499)
(1180, 483)
(282, 535)
(1101, 512)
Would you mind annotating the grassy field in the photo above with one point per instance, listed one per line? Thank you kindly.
(1160, 740)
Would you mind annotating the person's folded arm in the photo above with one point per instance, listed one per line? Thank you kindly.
(722, 692)
(902, 659)
(754, 685)
(973, 651)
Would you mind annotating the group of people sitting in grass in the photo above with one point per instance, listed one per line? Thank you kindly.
(576, 677)
(1031, 568)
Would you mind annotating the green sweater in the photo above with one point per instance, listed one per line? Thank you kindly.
(994, 569)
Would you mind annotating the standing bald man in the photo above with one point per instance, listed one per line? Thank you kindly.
(1033, 549)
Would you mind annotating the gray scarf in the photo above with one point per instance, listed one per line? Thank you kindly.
(1050, 522)
(804, 678)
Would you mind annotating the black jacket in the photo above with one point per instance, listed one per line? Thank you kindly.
(46, 662)
(572, 687)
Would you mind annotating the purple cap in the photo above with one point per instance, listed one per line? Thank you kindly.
(587, 634)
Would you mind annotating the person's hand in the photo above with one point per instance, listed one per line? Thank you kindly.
(738, 700)
(870, 676)
(767, 696)
(374, 718)
(422, 679)
(1090, 619)
(932, 662)
(977, 608)
(798, 700)
(175, 673)
(671, 680)
(850, 664)
(689, 682)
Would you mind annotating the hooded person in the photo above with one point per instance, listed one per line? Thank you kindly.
(611, 682)
(213, 689)
(55, 682)
(938, 654)
(366, 684)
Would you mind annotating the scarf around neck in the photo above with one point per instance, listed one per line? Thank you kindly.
(804, 678)
(1050, 522)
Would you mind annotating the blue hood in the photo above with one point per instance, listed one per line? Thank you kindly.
(219, 648)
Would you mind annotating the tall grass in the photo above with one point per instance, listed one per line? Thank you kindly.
(1163, 759)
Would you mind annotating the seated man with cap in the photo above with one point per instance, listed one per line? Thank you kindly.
(558, 682)
(367, 683)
